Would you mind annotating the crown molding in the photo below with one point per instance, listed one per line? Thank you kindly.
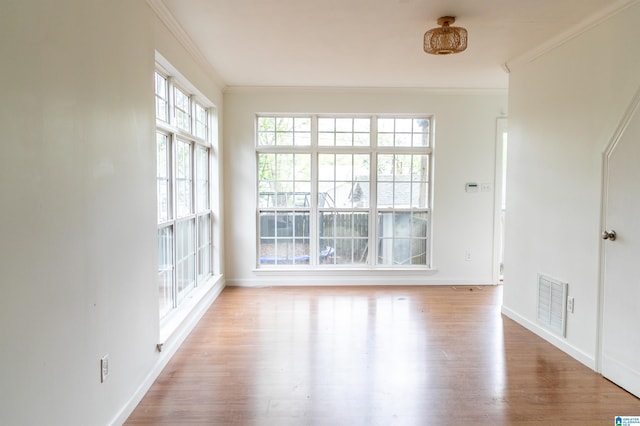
(365, 90)
(167, 18)
(572, 32)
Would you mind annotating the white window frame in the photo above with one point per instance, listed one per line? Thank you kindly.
(195, 214)
(372, 150)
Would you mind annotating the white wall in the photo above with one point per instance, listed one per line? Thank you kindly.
(78, 251)
(564, 107)
(465, 126)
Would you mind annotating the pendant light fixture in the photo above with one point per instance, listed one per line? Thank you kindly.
(445, 39)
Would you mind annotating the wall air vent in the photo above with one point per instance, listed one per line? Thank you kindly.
(552, 303)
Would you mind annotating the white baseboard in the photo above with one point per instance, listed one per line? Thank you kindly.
(556, 341)
(169, 347)
(347, 278)
(621, 374)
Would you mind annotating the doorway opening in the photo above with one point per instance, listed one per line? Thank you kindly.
(500, 199)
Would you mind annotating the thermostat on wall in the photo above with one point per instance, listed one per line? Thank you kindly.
(471, 187)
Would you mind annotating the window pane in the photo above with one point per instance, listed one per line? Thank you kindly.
(402, 238)
(344, 178)
(403, 132)
(385, 167)
(302, 124)
(403, 139)
(201, 121)
(385, 194)
(343, 131)
(420, 132)
(161, 97)
(202, 178)
(204, 247)
(266, 138)
(284, 179)
(361, 139)
(344, 139)
(403, 125)
(362, 125)
(284, 166)
(185, 257)
(165, 270)
(403, 180)
(302, 131)
(326, 124)
(326, 139)
(284, 238)
(302, 168)
(284, 138)
(403, 166)
(182, 108)
(162, 180)
(163, 200)
(385, 125)
(284, 131)
(326, 167)
(266, 124)
(183, 178)
(343, 237)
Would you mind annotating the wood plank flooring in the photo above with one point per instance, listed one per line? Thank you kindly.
(373, 356)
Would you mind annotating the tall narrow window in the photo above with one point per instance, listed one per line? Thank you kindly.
(203, 212)
(185, 218)
(162, 97)
(349, 191)
(201, 125)
(184, 180)
(182, 108)
(402, 208)
(165, 269)
(284, 203)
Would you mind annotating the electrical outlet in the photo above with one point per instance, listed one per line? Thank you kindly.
(570, 304)
(104, 368)
(467, 255)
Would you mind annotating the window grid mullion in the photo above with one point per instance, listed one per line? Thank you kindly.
(373, 195)
(314, 216)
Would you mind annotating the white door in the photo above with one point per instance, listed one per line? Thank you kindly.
(621, 262)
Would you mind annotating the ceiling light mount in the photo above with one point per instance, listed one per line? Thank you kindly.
(445, 39)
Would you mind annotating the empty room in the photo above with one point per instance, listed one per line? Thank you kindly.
(382, 212)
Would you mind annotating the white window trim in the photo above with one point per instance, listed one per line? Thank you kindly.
(183, 304)
(314, 149)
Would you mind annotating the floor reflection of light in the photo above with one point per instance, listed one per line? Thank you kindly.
(342, 346)
(284, 358)
(497, 365)
(340, 353)
(399, 370)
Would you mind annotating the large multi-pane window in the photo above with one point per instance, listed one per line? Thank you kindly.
(183, 151)
(352, 191)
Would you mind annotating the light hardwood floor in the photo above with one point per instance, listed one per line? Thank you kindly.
(373, 356)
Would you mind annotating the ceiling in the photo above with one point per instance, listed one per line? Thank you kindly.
(369, 43)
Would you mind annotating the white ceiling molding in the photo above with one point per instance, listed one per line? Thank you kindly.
(360, 90)
(167, 18)
(570, 33)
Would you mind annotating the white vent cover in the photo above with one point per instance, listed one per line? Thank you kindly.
(552, 303)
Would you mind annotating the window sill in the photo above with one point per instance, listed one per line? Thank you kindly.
(346, 271)
(189, 309)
